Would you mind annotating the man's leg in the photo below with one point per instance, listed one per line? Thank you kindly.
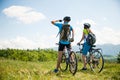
(60, 51)
(59, 59)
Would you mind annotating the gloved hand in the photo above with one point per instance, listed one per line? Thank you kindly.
(60, 20)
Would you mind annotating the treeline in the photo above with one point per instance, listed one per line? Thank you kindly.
(29, 55)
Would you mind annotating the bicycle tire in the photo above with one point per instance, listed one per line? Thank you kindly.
(73, 63)
(97, 63)
(64, 63)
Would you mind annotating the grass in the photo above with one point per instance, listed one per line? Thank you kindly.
(21, 70)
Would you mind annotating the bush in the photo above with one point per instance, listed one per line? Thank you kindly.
(29, 55)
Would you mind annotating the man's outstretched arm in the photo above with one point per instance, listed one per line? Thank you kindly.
(53, 22)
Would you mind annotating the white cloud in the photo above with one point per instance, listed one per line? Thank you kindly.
(105, 19)
(104, 34)
(46, 41)
(86, 21)
(23, 14)
(107, 35)
(19, 42)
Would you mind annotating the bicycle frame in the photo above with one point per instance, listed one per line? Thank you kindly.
(66, 51)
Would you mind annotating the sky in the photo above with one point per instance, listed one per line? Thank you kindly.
(26, 24)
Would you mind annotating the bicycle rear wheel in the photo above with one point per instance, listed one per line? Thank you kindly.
(97, 63)
(64, 63)
(73, 63)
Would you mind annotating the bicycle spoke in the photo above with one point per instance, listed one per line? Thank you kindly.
(63, 64)
(73, 63)
(97, 62)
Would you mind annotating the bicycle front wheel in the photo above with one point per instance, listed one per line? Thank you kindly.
(73, 63)
(97, 63)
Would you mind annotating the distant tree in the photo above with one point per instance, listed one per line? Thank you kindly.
(118, 58)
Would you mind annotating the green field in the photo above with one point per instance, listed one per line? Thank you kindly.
(21, 70)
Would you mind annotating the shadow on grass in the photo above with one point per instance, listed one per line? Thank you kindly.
(60, 74)
(88, 71)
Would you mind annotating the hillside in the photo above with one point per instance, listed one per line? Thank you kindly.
(108, 49)
(22, 70)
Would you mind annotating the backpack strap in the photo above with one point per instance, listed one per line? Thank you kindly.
(59, 31)
(57, 34)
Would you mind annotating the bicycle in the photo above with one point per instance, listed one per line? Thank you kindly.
(94, 58)
(68, 59)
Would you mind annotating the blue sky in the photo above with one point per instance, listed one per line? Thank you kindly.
(26, 23)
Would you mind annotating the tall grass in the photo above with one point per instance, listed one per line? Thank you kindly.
(21, 70)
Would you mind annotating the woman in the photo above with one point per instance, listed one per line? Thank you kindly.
(86, 46)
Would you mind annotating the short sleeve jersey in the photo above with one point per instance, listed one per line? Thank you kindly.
(85, 31)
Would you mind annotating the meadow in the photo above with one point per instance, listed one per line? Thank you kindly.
(36, 70)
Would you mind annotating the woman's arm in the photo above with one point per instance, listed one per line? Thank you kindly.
(82, 37)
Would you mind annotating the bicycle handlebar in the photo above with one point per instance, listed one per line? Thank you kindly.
(57, 43)
(79, 44)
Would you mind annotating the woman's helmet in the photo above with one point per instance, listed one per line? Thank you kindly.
(67, 18)
(87, 25)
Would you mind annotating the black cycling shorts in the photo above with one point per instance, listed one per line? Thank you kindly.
(62, 46)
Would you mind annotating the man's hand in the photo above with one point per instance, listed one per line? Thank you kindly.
(60, 20)
(71, 39)
(53, 22)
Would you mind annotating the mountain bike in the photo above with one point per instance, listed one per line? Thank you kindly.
(68, 59)
(94, 58)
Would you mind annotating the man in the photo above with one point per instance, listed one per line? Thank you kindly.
(63, 42)
(86, 46)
